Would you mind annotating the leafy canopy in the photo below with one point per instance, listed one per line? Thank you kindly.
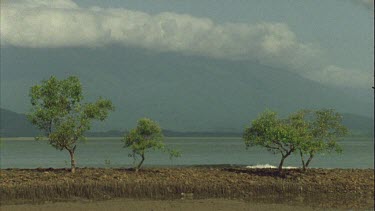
(275, 134)
(324, 129)
(57, 109)
(307, 131)
(146, 136)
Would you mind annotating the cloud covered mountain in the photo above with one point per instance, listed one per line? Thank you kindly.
(182, 92)
(62, 23)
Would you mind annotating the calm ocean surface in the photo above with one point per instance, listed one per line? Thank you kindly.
(109, 152)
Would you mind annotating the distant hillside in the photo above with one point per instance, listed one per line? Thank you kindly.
(110, 133)
(181, 92)
(359, 125)
(170, 133)
(13, 124)
(16, 125)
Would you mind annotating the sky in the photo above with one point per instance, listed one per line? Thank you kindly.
(328, 42)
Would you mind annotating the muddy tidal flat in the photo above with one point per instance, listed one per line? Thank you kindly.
(166, 205)
(188, 188)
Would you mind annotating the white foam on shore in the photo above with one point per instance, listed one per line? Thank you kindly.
(266, 166)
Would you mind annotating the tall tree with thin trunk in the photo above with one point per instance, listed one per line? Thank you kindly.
(58, 111)
(146, 136)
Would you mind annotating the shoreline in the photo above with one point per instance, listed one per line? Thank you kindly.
(120, 137)
(166, 137)
(244, 166)
(185, 167)
(324, 188)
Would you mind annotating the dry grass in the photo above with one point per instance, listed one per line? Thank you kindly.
(318, 187)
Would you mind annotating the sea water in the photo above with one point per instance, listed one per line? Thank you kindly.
(109, 153)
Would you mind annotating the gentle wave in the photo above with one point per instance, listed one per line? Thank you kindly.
(265, 166)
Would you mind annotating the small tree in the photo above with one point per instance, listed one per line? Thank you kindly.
(57, 110)
(276, 135)
(146, 136)
(323, 130)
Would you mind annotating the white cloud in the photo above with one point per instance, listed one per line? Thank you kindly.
(61, 23)
(342, 77)
(62, 4)
(40, 24)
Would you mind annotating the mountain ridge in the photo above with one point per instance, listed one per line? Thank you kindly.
(181, 92)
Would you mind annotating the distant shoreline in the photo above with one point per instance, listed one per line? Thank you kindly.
(166, 137)
(119, 138)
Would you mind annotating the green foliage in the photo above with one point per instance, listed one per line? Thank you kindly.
(58, 111)
(276, 135)
(323, 129)
(146, 136)
(306, 131)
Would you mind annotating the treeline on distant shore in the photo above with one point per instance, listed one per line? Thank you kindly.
(170, 133)
(16, 125)
(167, 133)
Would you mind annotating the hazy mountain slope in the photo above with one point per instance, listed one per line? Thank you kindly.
(182, 92)
(359, 125)
(13, 124)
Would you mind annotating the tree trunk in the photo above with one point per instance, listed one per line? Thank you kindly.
(309, 160)
(303, 161)
(283, 158)
(140, 164)
(72, 161)
(281, 164)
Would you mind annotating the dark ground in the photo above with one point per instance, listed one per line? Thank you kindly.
(316, 188)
